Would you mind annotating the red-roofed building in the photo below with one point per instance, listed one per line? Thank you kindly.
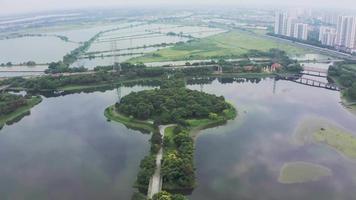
(276, 66)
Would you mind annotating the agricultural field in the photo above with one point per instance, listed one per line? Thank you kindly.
(233, 44)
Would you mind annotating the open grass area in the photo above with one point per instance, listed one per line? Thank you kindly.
(337, 138)
(169, 131)
(18, 114)
(145, 126)
(233, 44)
(301, 172)
(320, 131)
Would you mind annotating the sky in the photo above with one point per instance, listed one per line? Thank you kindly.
(24, 6)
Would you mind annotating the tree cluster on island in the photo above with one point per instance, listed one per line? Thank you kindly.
(171, 105)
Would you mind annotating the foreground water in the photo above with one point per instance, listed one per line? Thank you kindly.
(67, 150)
(242, 160)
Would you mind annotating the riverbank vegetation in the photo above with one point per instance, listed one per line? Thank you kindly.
(14, 107)
(60, 67)
(233, 44)
(344, 74)
(61, 77)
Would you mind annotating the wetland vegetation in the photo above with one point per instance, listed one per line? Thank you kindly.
(302, 172)
(321, 131)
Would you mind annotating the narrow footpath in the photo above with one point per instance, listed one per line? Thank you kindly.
(155, 185)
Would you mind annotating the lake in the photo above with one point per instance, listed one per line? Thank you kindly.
(67, 150)
(38, 49)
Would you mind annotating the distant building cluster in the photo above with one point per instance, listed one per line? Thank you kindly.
(338, 32)
(289, 26)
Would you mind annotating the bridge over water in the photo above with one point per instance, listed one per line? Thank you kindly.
(316, 83)
(315, 71)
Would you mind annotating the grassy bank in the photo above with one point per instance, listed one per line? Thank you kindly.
(18, 114)
(145, 126)
(233, 44)
(196, 125)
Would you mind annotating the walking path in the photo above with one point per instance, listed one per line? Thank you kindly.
(155, 185)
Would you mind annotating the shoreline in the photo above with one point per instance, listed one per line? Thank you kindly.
(19, 113)
(193, 128)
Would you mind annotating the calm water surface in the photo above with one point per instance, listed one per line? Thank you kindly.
(67, 150)
(242, 160)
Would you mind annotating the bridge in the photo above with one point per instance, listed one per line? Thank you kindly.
(316, 83)
(315, 71)
(321, 60)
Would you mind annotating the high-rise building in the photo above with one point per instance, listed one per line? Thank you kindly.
(280, 26)
(290, 26)
(327, 35)
(301, 31)
(329, 18)
(346, 32)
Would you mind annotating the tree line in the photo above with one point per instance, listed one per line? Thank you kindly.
(345, 74)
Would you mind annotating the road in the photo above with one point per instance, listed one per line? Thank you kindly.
(155, 185)
(319, 49)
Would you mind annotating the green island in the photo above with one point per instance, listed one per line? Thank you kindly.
(187, 111)
(301, 172)
(320, 131)
(14, 107)
(232, 44)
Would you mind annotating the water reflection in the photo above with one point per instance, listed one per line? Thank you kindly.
(67, 150)
(242, 159)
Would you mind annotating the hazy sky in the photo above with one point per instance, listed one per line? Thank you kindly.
(21, 6)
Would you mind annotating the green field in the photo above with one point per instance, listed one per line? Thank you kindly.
(320, 131)
(20, 112)
(301, 172)
(233, 44)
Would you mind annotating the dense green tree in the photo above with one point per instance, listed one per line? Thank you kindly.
(171, 105)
